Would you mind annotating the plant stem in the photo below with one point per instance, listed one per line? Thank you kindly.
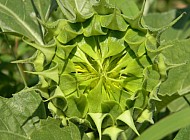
(148, 4)
(22, 75)
(186, 100)
(14, 55)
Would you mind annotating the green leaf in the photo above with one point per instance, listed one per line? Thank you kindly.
(126, 117)
(132, 14)
(70, 32)
(44, 8)
(76, 11)
(85, 137)
(102, 7)
(133, 84)
(93, 27)
(95, 98)
(134, 38)
(180, 30)
(83, 124)
(88, 46)
(135, 67)
(112, 132)
(118, 95)
(37, 60)
(111, 107)
(47, 50)
(50, 130)
(20, 114)
(63, 30)
(152, 78)
(167, 125)
(112, 45)
(63, 51)
(145, 115)
(159, 20)
(179, 103)
(73, 131)
(128, 7)
(99, 121)
(165, 100)
(177, 58)
(139, 101)
(10, 136)
(50, 73)
(114, 22)
(180, 46)
(20, 17)
(56, 112)
(77, 106)
(58, 99)
(183, 134)
(67, 84)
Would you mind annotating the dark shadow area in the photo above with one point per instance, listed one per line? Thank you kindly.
(184, 22)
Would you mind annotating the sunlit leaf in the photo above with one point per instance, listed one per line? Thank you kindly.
(126, 117)
(20, 114)
(49, 129)
(100, 120)
(20, 18)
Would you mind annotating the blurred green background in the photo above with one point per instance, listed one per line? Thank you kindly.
(164, 5)
(13, 48)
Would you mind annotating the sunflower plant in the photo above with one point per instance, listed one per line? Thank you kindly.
(103, 68)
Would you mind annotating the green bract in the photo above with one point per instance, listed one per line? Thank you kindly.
(101, 67)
